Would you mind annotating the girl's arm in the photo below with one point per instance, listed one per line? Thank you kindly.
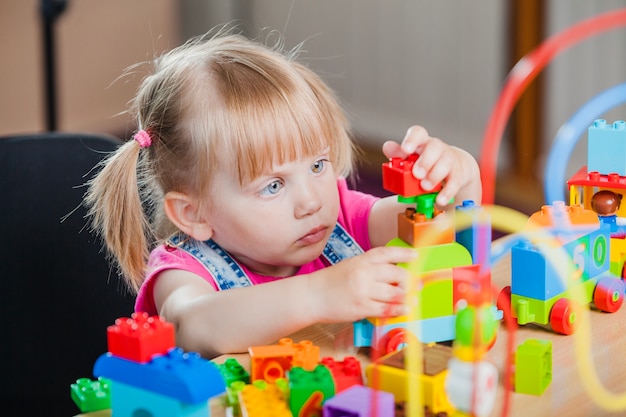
(212, 323)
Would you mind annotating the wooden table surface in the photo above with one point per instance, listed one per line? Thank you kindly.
(565, 396)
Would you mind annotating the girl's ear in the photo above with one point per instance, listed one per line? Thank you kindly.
(184, 212)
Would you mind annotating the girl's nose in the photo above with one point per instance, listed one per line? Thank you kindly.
(307, 202)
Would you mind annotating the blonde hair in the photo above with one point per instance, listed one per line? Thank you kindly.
(217, 102)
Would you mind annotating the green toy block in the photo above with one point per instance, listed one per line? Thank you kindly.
(434, 258)
(533, 366)
(309, 389)
(232, 395)
(436, 300)
(232, 371)
(91, 395)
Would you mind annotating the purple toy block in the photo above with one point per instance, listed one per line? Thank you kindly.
(357, 401)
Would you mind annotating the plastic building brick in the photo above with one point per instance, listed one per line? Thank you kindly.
(533, 366)
(358, 401)
(416, 230)
(232, 371)
(309, 389)
(263, 400)
(232, 395)
(186, 377)
(474, 231)
(398, 177)
(129, 400)
(270, 362)
(91, 395)
(306, 354)
(139, 337)
(606, 147)
(345, 373)
(389, 374)
(564, 221)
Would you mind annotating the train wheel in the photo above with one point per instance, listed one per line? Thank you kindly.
(609, 294)
(564, 316)
(392, 341)
(504, 300)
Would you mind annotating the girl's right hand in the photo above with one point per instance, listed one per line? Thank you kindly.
(368, 285)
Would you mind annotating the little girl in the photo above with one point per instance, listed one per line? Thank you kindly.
(236, 178)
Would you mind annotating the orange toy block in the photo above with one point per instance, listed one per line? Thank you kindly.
(416, 230)
(271, 362)
(306, 354)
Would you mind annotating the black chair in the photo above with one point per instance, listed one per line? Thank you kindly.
(58, 291)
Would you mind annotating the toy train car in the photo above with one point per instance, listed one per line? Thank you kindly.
(562, 265)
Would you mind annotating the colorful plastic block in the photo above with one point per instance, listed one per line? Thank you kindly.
(128, 400)
(263, 400)
(360, 401)
(345, 373)
(534, 275)
(474, 231)
(606, 147)
(270, 362)
(389, 374)
(416, 230)
(306, 354)
(91, 395)
(232, 371)
(139, 337)
(533, 366)
(398, 177)
(186, 377)
(309, 389)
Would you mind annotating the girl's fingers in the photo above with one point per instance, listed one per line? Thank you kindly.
(414, 140)
(391, 255)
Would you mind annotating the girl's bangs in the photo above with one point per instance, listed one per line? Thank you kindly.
(277, 133)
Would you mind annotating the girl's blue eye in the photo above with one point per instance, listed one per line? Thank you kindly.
(272, 188)
(318, 166)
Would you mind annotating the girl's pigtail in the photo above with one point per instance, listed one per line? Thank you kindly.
(116, 212)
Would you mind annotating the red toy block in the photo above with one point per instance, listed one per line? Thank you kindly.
(398, 177)
(416, 230)
(345, 373)
(472, 284)
(140, 337)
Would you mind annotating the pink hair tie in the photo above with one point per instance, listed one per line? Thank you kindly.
(143, 138)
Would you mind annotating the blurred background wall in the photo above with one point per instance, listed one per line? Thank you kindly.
(393, 63)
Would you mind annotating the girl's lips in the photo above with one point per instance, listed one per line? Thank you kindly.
(314, 236)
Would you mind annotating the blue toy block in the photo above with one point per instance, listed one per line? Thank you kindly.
(186, 377)
(363, 331)
(534, 275)
(476, 238)
(357, 401)
(606, 147)
(127, 400)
